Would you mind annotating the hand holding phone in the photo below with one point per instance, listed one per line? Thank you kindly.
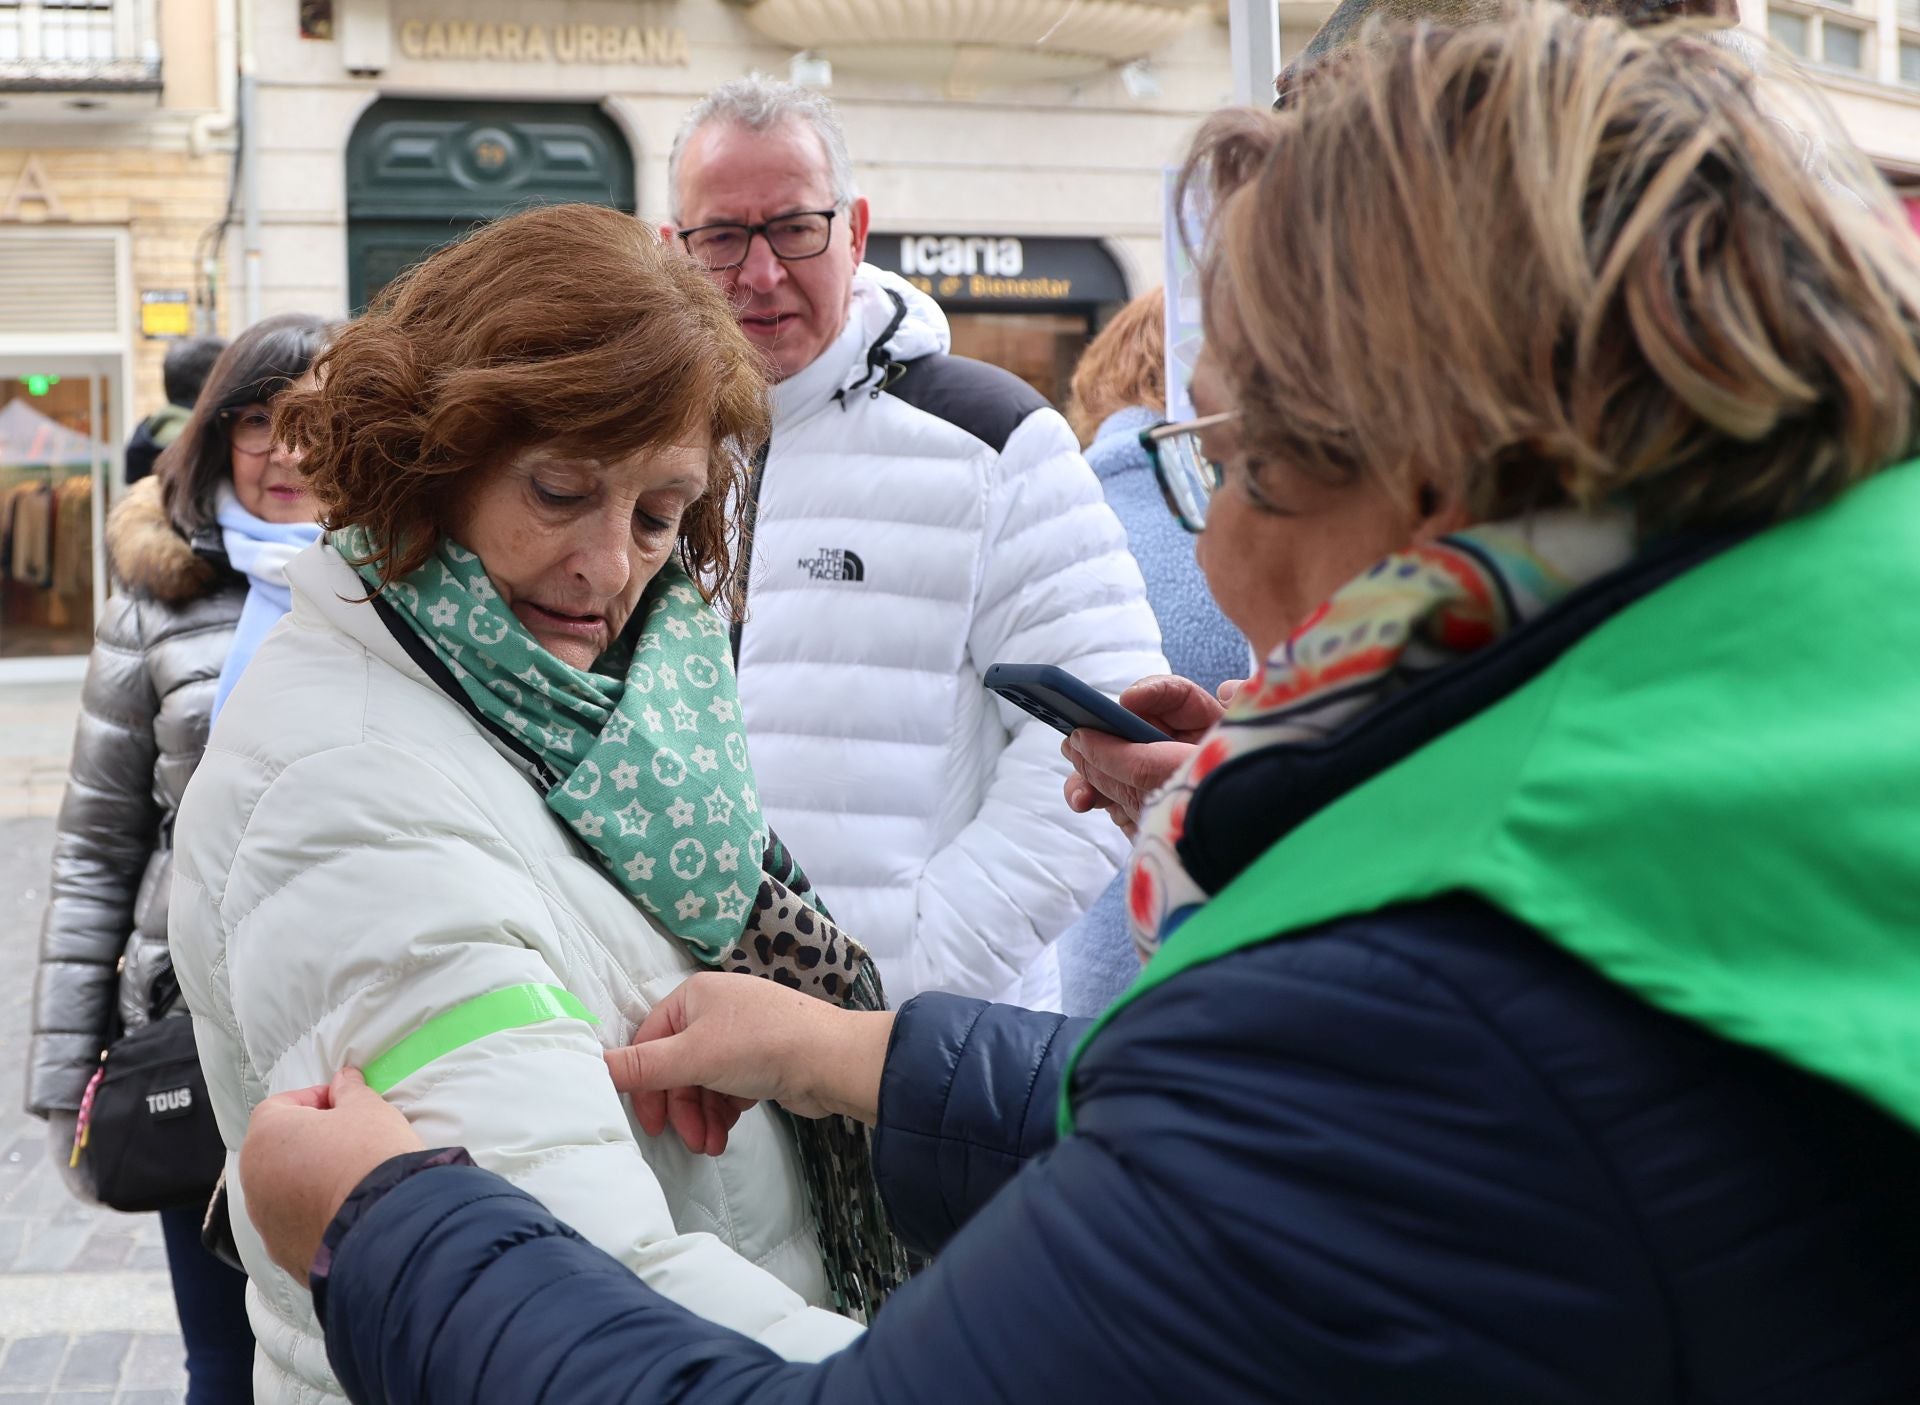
(1065, 703)
(1117, 776)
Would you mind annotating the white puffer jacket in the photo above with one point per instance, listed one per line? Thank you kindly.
(355, 856)
(919, 518)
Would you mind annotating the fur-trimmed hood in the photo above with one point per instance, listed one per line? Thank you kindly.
(148, 554)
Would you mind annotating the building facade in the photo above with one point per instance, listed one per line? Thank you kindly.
(116, 126)
(1865, 59)
(1012, 153)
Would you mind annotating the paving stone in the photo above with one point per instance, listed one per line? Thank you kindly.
(148, 1258)
(13, 1238)
(27, 1152)
(72, 1211)
(65, 1268)
(38, 1196)
(151, 1397)
(104, 1249)
(95, 1360)
(80, 1397)
(155, 1361)
(31, 1361)
(52, 1248)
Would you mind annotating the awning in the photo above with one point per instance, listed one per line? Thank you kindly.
(28, 439)
(964, 43)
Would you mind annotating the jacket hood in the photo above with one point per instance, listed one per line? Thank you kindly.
(148, 554)
(1116, 446)
(907, 330)
(889, 321)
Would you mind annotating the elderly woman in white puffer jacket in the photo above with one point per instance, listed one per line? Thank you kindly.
(484, 797)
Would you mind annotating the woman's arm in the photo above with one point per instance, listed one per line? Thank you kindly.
(1308, 1172)
(107, 830)
(963, 1091)
(372, 899)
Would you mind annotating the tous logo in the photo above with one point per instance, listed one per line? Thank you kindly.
(170, 1102)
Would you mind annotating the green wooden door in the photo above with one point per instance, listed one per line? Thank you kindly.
(420, 174)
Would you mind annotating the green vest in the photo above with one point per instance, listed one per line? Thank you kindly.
(1713, 798)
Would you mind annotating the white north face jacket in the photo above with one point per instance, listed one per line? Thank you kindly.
(920, 517)
(356, 856)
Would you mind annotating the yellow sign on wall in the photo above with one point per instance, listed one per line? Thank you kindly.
(167, 312)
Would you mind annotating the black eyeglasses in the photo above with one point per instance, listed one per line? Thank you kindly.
(804, 234)
(249, 428)
(1188, 478)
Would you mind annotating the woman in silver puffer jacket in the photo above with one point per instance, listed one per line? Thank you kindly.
(186, 547)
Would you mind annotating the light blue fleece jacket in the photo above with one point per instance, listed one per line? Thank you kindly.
(1097, 959)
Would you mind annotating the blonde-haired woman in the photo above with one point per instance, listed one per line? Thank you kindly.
(1534, 1003)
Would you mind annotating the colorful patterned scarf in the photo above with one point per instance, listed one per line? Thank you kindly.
(1406, 617)
(646, 762)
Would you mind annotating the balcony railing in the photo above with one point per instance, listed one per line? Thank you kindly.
(77, 45)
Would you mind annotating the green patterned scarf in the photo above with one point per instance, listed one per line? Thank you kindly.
(645, 759)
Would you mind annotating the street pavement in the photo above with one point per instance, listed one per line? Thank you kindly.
(86, 1314)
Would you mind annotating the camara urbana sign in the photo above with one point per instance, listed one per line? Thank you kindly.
(484, 40)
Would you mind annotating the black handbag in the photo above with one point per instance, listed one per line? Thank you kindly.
(146, 1136)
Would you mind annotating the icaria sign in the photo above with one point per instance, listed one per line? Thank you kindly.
(927, 254)
(1002, 271)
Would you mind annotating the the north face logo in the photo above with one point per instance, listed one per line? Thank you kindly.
(834, 564)
(170, 1103)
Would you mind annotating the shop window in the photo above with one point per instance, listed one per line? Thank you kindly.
(1790, 31)
(1843, 46)
(46, 515)
(1041, 348)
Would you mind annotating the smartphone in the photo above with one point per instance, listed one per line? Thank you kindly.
(1064, 703)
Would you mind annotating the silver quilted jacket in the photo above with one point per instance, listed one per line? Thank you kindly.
(143, 724)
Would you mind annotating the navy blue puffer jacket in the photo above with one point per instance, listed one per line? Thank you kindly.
(1417, 1156)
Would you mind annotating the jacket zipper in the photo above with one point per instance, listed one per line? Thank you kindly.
(878, 362)
(751, 515)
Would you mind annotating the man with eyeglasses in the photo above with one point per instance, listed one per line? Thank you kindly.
(917, 517)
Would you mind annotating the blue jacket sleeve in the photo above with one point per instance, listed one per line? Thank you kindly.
(969, 1095)
(1309, 1172)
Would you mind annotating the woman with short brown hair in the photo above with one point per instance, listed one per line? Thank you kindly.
(567, 330)
(487, 797)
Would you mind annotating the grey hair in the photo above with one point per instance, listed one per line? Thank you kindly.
(760, 104)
